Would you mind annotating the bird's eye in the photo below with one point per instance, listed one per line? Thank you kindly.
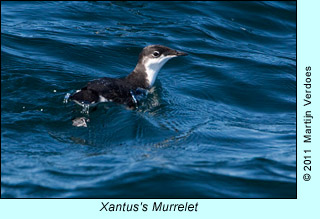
(156, 54)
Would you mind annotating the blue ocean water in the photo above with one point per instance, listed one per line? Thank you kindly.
(220, 123)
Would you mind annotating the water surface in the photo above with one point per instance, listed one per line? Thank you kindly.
(220, 123)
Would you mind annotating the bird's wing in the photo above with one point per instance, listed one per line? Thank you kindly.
(113, 89)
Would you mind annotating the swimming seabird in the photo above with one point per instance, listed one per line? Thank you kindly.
(122, 90)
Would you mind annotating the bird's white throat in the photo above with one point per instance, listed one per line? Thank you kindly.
(153, 66)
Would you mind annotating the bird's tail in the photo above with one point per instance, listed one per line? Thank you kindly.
(85, 96)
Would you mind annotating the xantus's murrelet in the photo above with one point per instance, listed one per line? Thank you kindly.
(120, 90)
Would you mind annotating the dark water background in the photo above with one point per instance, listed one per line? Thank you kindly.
(220, 123)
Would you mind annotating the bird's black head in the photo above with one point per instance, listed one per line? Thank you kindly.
(159, 52)
(151, 60)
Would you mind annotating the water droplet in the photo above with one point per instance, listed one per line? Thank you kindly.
(66, 98)
(85, 108)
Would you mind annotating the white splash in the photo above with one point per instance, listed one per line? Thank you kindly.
(80, 122)
(66, 98)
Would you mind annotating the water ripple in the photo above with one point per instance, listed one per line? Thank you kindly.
(219, 123)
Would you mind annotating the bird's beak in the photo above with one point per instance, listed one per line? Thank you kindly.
(178, 53)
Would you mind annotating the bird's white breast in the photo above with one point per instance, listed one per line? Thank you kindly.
(153, 66)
